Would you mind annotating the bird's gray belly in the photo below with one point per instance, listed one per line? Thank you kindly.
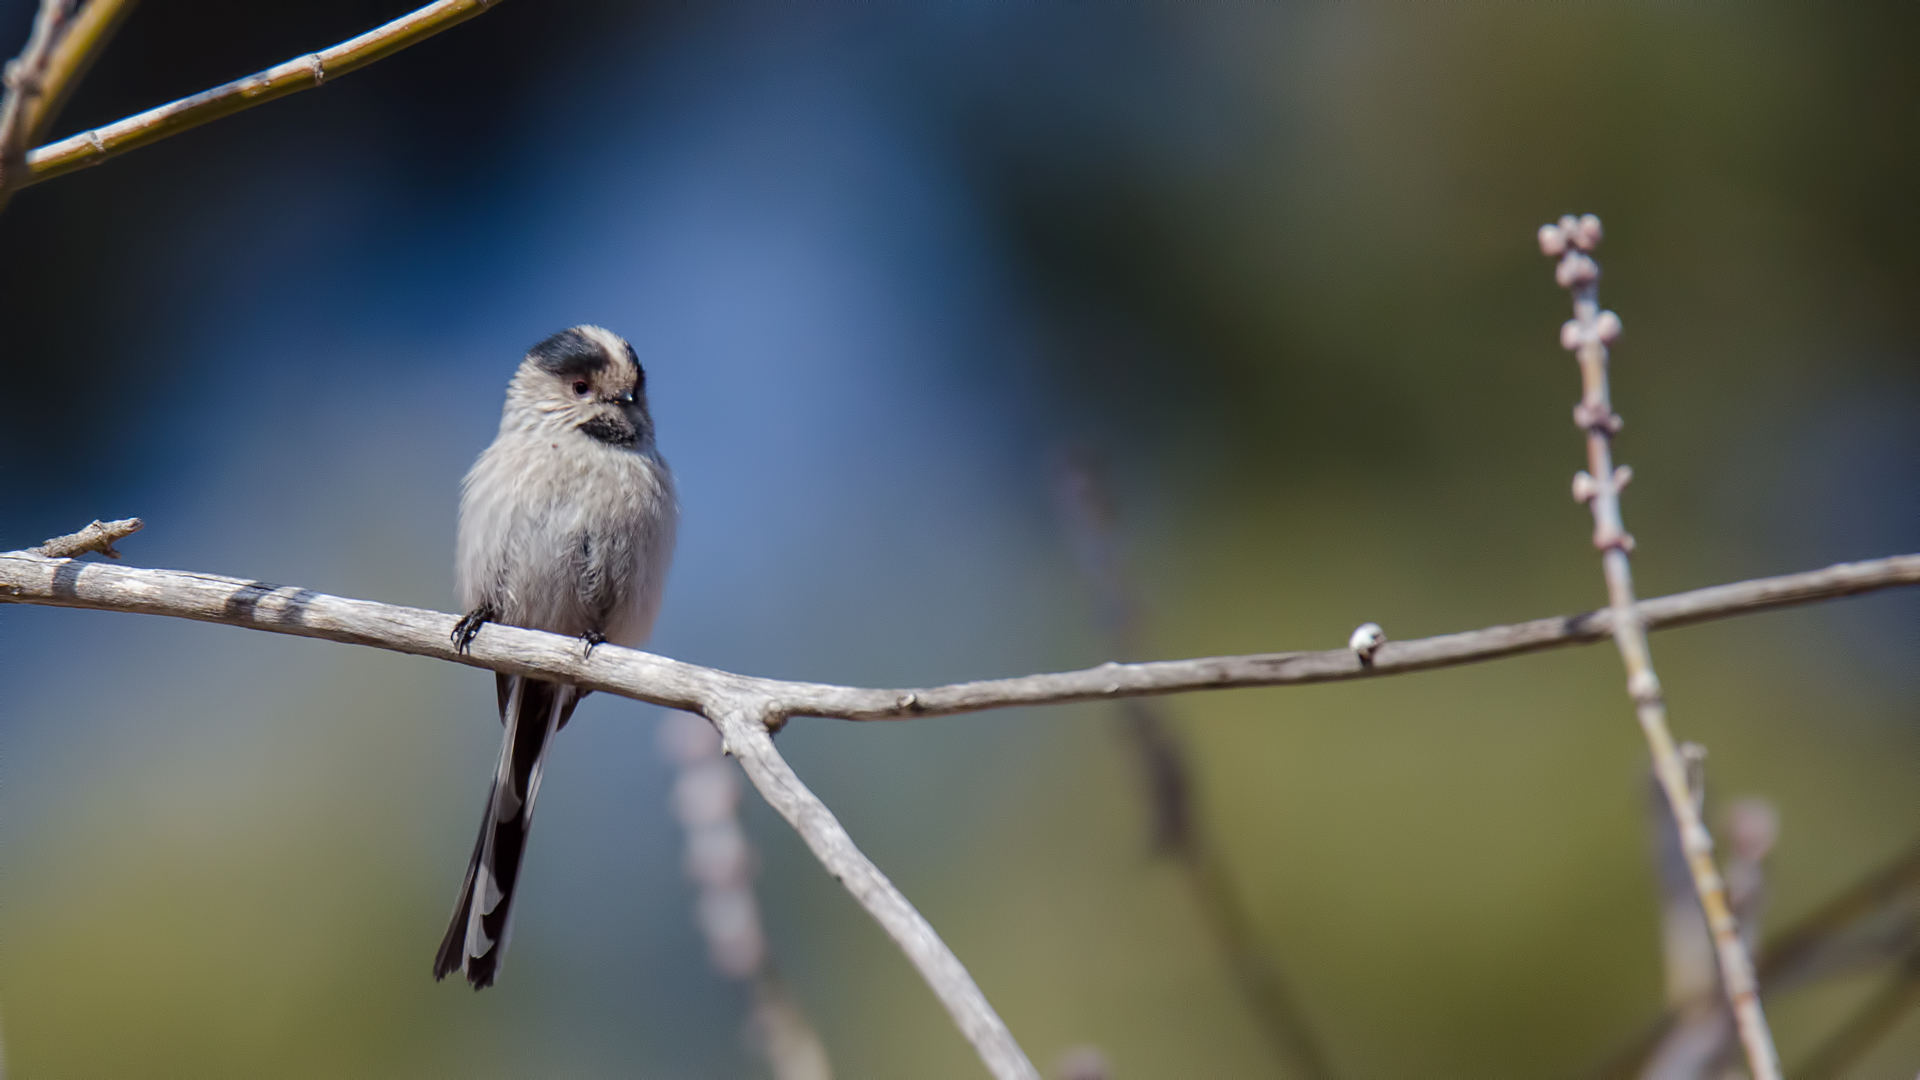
(577, 560)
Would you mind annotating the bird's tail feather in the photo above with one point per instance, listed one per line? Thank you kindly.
(531, 711)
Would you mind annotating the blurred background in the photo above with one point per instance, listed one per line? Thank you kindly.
(1273, 266)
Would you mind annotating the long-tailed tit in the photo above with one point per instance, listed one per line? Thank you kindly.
(566, 524)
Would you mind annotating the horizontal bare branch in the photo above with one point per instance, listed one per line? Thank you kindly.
(300, 73)
(29, 578)
(746, 709)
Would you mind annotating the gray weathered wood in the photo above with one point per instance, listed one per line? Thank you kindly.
(27, 578)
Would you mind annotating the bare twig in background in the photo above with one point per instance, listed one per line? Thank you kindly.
(1872, 923)
(1587, 335)
(300, 73)
(747, 710)
(1868, 1025)
(1686, 948)
(1701, 1032)
(706, 799)
(1752, 828)
(92, 27)
(784, 1037)
(1084, 1063)
(26, 86)
(1697, 1045)
(97, 537)
(1179, 831)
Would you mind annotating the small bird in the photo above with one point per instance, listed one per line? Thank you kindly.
(567, 525)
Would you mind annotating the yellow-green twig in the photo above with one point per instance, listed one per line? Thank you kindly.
(300, 73)
(92, 26)
(25, 79)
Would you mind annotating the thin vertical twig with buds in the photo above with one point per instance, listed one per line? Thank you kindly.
(720, 861)
(1587, 335)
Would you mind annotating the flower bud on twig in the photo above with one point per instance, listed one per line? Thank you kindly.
(1367, 639)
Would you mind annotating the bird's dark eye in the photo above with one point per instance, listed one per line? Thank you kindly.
(580, 387)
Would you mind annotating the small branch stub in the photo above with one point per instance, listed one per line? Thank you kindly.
(97, 537)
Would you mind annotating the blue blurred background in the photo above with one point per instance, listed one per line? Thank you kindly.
(1274, 264)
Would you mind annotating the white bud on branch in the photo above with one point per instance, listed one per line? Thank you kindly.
(1367, 639)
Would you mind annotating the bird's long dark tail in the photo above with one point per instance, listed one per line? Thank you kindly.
(531, 710)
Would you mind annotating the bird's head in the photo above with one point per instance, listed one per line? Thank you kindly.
(589, 380)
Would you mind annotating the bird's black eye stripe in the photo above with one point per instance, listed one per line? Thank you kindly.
(569, 354)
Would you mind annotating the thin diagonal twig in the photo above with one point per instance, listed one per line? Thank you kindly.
(1700, 1041)
(300, 73)
(1587, 335)
(744, 729)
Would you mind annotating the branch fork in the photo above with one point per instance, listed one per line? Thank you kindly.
(747, 709)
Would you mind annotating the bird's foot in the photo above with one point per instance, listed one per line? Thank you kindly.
(469, 626)
(590, 639)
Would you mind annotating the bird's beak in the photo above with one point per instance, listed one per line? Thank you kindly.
(624, 399)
